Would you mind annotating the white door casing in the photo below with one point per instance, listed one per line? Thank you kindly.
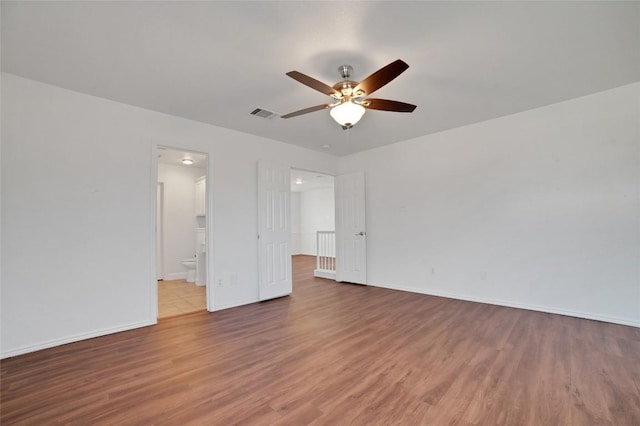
(274, 230)
(351, 234)
(159, 231)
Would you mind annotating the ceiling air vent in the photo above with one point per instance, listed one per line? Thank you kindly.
(263, 113)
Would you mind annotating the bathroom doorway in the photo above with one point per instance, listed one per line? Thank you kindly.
(181, 221)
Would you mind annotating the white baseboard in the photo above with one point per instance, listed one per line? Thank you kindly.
(71, 339)
(175, 276)
(529, 307)
(324, 273)
(232, 305)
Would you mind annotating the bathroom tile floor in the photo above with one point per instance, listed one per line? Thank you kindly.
(177, 297)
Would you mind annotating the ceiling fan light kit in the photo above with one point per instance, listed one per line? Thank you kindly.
(347, 113)
(349, 97)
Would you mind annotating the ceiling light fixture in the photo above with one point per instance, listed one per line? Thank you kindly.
(347, 113)
(187, 161)
(350, 98)
(298, 181)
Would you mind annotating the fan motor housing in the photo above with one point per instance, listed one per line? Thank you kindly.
(345, 87)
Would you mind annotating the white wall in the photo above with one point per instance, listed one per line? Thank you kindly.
(546, 202)
(78, 182)
(317, 213)
(1, 185)
(179, 217)
(295, 223)
(539, 210)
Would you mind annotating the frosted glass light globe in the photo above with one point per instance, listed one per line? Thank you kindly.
(347, 114)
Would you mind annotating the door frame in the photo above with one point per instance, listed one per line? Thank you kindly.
(153, 287)
(320, 173)
(159, 230)
(335, 193)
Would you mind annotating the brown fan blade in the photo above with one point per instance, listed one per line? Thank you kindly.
(314, 84)
(387, 105)
(306, 111)
(381, 77)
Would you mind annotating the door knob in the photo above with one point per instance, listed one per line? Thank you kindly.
(360, 234)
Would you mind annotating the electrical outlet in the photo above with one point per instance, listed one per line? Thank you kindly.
(220, 283)
(483, 275)
(433, 271)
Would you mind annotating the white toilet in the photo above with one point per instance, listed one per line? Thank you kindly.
(190, 264)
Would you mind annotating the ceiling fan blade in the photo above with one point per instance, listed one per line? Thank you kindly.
(387, 105)
(314, 84)
(305, 111)
(381, 77)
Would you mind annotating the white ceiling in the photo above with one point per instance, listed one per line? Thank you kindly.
(216, 61)
(174, 157)
(310, 180)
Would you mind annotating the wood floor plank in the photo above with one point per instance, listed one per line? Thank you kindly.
(337, 354)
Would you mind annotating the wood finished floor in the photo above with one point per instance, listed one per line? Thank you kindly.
(178, 297)
(334, 354)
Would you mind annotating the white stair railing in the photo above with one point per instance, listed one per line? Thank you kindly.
(325, 254)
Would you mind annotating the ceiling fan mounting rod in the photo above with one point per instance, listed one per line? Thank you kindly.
(345, 86)
(345, 71)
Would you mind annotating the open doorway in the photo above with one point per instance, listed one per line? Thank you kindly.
(181, 249)
(313, 221)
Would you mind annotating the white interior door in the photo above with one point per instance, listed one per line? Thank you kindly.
(274, 230)
(351, 234)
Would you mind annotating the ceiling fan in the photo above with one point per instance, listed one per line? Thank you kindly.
(350, 97)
